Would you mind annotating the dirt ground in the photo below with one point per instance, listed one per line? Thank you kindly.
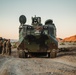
(63, 64)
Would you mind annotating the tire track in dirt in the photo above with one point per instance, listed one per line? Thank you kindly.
(35, 66)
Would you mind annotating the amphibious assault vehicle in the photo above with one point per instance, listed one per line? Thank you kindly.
(37, 38)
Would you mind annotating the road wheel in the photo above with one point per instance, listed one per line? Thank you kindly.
(53, 53)
(21, 54)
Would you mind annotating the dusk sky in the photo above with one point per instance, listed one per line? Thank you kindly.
(63, 13)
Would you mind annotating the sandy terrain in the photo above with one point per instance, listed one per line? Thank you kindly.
(64, 64)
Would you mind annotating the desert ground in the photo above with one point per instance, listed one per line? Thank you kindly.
(63, 64)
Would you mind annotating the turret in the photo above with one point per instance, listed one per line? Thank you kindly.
(36, 21)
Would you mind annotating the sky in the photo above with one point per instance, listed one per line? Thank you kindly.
(62, 12)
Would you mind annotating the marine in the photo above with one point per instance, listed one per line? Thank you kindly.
(1, 45)
(8, 47)
(4, 47)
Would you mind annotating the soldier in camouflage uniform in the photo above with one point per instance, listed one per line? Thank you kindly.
(8, 47)
(1, 46)
(4, 47)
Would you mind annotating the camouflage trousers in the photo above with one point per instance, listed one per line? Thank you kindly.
(8, 51)
(4, 50)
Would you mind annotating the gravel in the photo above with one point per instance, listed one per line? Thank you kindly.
(64, 64)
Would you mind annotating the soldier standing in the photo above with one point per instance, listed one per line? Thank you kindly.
(4, 47)
(1, 46)
(8, 47)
